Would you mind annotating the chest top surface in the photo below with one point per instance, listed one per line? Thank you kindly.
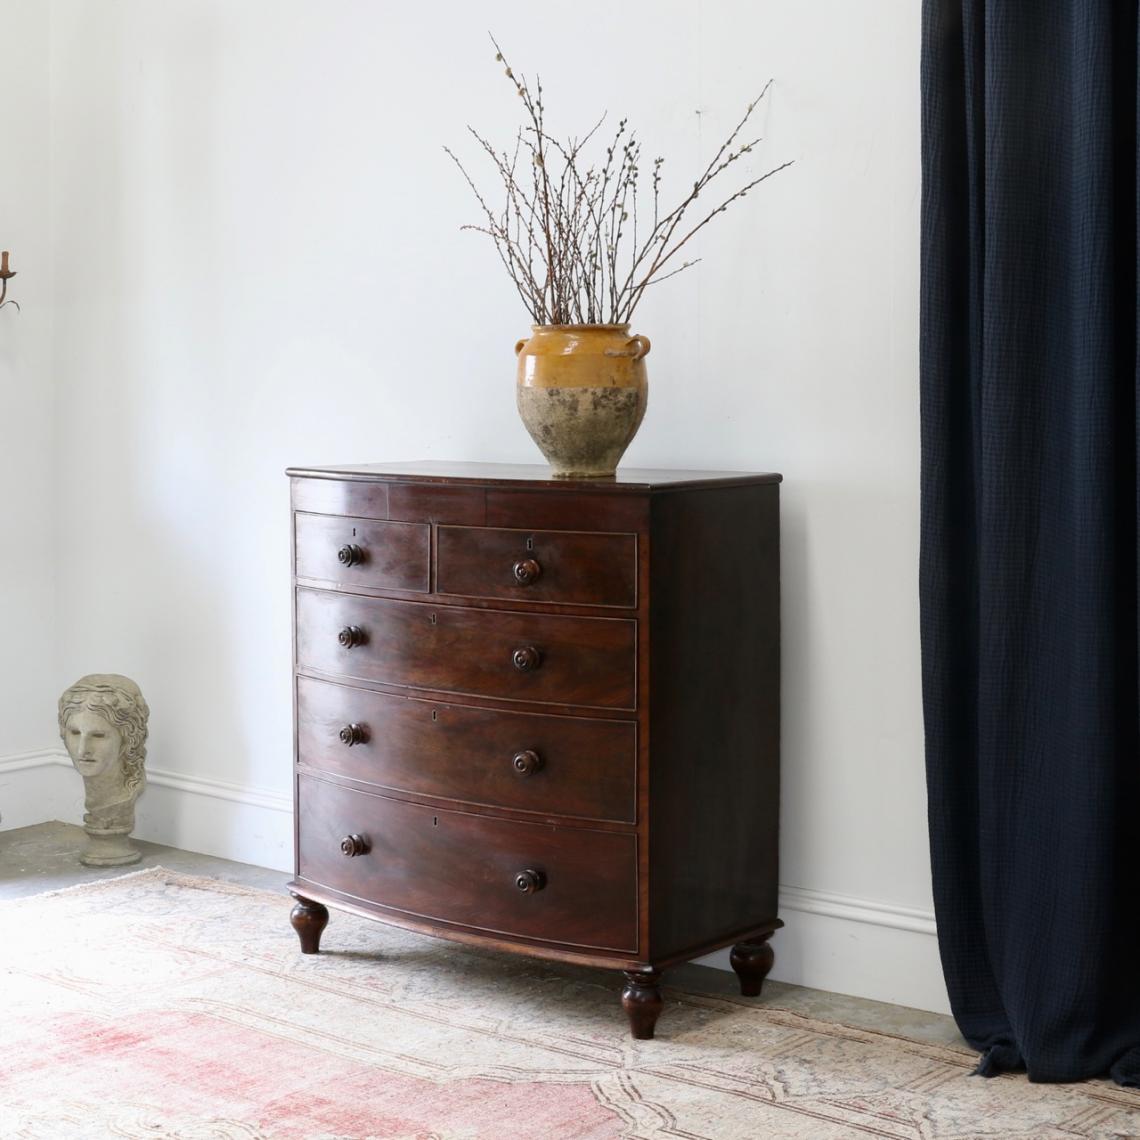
(513, 474)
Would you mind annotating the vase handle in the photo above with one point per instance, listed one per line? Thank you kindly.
(521, 344)
(635, 348)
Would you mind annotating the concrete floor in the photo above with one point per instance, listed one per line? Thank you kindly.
(45, 858)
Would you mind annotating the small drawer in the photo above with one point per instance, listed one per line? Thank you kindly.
(359, 498)
(564, 885)
(574, 567)
(584, 661)
(556, 765)
(364, 552)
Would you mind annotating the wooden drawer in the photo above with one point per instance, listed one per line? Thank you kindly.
(567, 660)
(364, 552)
(463, 869)
(406, 502)
(575, 567)
(556, 765)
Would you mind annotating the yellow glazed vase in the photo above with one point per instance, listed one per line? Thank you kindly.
(582, 393)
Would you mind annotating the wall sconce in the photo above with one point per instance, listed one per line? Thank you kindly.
(5, 273)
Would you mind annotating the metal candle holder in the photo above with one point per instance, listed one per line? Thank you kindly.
(5, 273)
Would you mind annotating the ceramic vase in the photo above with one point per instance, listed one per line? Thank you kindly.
(582, 392)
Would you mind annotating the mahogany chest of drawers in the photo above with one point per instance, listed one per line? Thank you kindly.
(540, 715)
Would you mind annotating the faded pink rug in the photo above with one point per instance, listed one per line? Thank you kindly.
(159, 1005)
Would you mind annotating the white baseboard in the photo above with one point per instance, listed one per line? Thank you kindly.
(856, 946)
(249, 825)
(21, 761)
(831, 942)
(35, 788)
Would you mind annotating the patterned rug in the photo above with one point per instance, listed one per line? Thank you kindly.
(159, 1005)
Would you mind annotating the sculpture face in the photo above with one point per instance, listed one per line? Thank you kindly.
(92, 743)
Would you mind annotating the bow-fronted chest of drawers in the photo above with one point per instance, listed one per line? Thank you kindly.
(540, 715)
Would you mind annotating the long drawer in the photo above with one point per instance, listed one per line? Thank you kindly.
(516, 656)
(564, 885)
(556, 765)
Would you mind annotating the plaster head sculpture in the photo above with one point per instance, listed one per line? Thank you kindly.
(103, 723)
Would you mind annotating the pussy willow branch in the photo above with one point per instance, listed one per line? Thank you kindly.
(561, 235)
(667, 254)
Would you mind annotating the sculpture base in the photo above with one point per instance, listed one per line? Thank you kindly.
(109, 849)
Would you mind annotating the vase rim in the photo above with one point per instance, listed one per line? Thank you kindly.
(555, 328)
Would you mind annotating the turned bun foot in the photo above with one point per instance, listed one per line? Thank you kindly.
(642, 1002)
(752, 960)
(309, 920)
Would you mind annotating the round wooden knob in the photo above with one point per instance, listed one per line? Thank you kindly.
(530, 881)
(527, 762)
(526, 659)
(350, 555)
(354, 734)
(527, 571)
(352, 845)
(352, 636)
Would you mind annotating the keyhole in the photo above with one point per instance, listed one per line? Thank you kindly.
(435, 821)
(433, 619)
(530, 543)
(354, 532)
(435, 714)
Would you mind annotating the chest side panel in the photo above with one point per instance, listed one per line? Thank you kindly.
(715, 709)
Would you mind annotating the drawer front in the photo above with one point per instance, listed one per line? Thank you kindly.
(515, 656)
(364, 552)
(567, 509)
(406, 502)
(453, 867)
(556, 765)
(578, 568)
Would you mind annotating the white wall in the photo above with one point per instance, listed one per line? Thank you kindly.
(29, 550)
(257, 262)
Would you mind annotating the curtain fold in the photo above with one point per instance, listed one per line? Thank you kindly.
(1030, 500)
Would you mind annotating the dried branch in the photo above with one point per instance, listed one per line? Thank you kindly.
(562, 236)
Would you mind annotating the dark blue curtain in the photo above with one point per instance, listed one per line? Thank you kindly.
(1029, 527)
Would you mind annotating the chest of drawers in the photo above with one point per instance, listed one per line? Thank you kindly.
(539, 715)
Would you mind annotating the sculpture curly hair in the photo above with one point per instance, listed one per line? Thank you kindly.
(119, 701)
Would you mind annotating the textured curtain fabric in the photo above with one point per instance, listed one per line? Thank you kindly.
(1029, 527)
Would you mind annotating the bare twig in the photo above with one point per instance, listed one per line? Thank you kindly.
(562, 232)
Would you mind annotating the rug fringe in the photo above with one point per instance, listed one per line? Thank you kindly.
(178, 878)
